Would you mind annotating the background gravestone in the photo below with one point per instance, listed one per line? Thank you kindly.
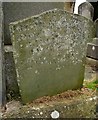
(95, 5)
(49, 51)
(96, 23)
(93, 47)
(86, 9)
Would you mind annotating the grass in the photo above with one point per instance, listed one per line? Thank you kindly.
(91, 85)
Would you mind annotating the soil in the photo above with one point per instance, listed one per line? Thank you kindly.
(68, 95)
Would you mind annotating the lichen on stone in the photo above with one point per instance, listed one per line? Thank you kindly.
(49, 51)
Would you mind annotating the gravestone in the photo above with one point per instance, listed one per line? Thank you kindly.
(49, 51)
(96, 23)
(92, 48)
(86, 9)
(2, 80)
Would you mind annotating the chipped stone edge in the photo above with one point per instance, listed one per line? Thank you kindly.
(56, 9)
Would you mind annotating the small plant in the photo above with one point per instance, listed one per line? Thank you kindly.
(92, 85)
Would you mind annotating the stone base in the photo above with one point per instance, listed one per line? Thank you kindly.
(76, 107)
(93, 63)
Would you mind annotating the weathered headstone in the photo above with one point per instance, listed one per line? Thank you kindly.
(92, 48)
(86, 9)
(49, 51)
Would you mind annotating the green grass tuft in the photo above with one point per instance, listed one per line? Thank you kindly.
(92, 85)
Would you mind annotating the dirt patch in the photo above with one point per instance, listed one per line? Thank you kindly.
(66, 96)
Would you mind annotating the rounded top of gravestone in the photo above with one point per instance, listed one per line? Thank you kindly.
(56, 10)
(86, 9)
(86, 5)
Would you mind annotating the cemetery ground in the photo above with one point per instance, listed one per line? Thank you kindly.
(70, 104)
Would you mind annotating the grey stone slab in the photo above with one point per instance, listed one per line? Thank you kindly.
(2, 80)
(49, 51)
(14, 11)
(12, 90)
(84, 107)
(86, 9)
(93, 63)
(92, 51)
